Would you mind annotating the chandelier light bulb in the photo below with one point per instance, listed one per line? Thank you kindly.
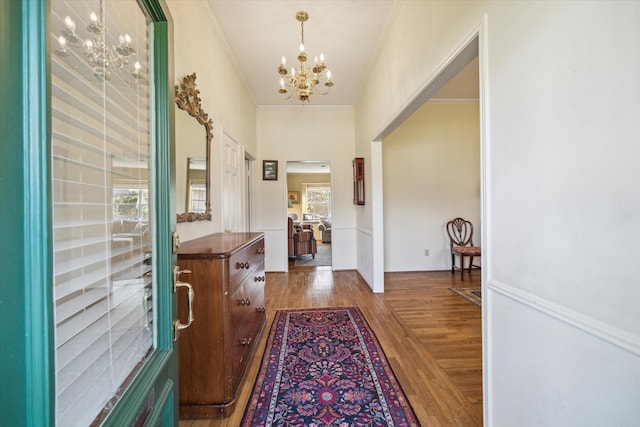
(282, 83)
(328, 74)
(88, 44)
(62, 49)
(94, 26)
(127, 38)
(315, 59)
(136, 70)
(321, 57)
(293, 72)
(68, 22)
(284, 60)
(301, 47)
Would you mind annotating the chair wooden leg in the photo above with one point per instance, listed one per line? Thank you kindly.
(470, 264)
(462, 268)
(453, 263)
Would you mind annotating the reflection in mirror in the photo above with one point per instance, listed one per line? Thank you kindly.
(196, 185)
(193, 147)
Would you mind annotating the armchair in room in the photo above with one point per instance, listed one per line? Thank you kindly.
(300, 241)
(325, 229)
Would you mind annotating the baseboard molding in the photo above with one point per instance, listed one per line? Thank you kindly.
(611, 334)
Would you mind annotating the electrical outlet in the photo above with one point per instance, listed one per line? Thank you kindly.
(426, 252)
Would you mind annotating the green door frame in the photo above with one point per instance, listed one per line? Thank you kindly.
(27, 367)
(26, 357)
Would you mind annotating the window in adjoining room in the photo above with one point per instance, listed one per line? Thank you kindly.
(318, 201)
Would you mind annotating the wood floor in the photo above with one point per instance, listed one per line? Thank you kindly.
(431, 336)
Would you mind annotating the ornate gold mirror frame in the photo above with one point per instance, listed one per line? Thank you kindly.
(188, 99)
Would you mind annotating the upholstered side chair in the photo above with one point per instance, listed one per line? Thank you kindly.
(461, 237)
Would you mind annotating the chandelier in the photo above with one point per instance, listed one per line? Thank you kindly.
(302, 80)
(98, 54)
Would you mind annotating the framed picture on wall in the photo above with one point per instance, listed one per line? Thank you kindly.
(269, 170)
(358, 181)
(294, 197)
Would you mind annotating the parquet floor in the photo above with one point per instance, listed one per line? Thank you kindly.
(431, 336)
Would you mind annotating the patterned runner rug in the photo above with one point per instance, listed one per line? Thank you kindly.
(472, 294)
(325, 367)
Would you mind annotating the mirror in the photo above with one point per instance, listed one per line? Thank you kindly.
(194, 132)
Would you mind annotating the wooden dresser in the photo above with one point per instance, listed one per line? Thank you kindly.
(227, 275)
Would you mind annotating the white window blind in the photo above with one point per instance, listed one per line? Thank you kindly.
(101, 209)
(318, 200)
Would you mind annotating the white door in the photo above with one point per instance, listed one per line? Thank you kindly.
(232, 192)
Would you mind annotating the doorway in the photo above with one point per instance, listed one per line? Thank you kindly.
(450, 86)
(310, 214)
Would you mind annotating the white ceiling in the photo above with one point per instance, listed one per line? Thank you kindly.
(348, 32)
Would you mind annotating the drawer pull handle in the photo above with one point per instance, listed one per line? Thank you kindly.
(260, 310)
(245, 301)
(258, 279)
(260, 251)
(240, 265)
(246, 341)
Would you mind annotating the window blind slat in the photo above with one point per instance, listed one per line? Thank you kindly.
(76, 283)
(89, 297)
(78, 264)
(72, 327)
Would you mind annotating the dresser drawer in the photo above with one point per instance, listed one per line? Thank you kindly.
(247, 318)
(243, 262)
(247, 300)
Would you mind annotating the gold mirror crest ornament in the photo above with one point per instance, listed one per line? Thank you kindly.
(188, 99)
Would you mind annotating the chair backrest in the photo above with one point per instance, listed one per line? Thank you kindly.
(460, 232)
(290, 228)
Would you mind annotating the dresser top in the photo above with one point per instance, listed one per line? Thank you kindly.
(217, 245)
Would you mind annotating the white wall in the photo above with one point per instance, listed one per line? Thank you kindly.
(306, 134)
(564, 150)
(431, 166)
(199, 47)
(560, 100)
